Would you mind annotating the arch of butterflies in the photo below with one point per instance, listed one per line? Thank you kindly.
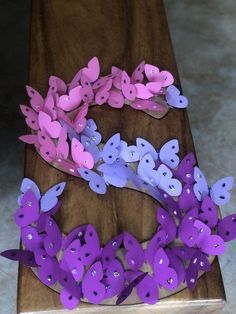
(77, 264)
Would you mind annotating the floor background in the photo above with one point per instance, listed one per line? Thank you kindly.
(204, 39)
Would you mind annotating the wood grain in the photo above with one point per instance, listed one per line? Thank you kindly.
(64, 36)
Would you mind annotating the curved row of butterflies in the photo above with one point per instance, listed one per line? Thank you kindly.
(61, 115)
(141, 166)
(85, 270)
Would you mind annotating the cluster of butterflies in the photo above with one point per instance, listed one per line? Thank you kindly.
(85, 270)
(117, 163)
(61, 116)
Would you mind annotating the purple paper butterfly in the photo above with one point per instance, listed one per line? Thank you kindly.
(127, 290)
(164, 275)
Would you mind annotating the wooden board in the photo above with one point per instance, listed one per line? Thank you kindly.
(64, 36)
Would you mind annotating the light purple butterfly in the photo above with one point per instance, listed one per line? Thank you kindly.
(174, 99)
(91, 147)
(168, 153)
(167, 183)
(219, 192)
(129, 153)
(200, 187)
(50, 198)
(146, 170)
(144, 147)
(96, 182)
(91, 131)
(111, 149)
(116, 174)
(26, 185)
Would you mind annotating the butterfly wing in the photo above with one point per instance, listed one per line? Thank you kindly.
(92, 70)
(50, 198)
(36, 100)
(96, 182)
(174, 99)
(168, 153)
(80, 119)
(31, 117)
(62, 145)
(219, 192)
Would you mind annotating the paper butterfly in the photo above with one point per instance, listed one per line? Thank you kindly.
(47, 200)
(71, 101)
(79, 156)
(174, 99)
(153, 74)
(49, 150)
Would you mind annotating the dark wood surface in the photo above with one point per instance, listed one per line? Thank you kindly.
(65, 35)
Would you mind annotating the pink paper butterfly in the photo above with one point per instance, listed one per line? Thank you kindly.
(31, 117)
(146, 105)
(49, 150)
(116, 99)
(30, 139)
(71, 101)
(153, 74)
(36, 100)
(49, 107)
(86, 91)
(57, 85)
(147, 91)
(92, 70)
(103, 94)
(137, 76)
(79, 122)
(79, 156)
(128, 89)
(52, 128)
